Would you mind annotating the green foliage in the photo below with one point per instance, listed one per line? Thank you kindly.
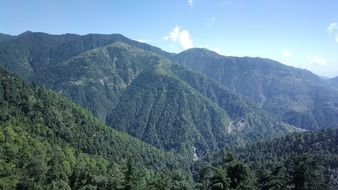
(46, 142)
(296, 161)
(139, 90)
(229, 174)
(299, 173)
(295, 96)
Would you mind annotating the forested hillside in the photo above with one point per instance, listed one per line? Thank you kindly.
(297, 161)
(193, 131)
(295, 96)
(171, 112)
(48, 142)
(140, 91)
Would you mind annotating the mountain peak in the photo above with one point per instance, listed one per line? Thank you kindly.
(200, 51)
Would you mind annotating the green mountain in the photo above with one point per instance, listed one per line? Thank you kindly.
(96, 78)
(174, 108)
(30, 53)
(34, 57)
(139, 90)
(48, 142)
(295, 96)
(177, 115)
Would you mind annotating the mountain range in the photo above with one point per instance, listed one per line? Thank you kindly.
(86, 107)
(294, 96)
(137, 89)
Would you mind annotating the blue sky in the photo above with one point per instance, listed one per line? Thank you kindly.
(301, 33)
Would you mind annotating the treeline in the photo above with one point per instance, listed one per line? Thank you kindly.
(301, 172)
(28, 163)
(306, 160)
(46, 142)
(321, 145)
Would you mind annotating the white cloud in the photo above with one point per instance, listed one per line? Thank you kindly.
(213, 19)
(144, 40)
(332, 28)
(217, 50)
(225, 2)
(287, 53)
(211, 22)
(190, 3)
(204, 46)
(317, 60)
(180, 36)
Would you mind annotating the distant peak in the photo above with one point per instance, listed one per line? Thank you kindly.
(26, 33)
(200, 51)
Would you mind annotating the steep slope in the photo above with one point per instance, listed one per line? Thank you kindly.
(295, 96)
(173, 108)
(31, 52)
(143, 93)
(95, 79)
(44, 59)
(48, 117)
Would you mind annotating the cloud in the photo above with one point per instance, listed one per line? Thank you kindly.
(144, 40)
(217, 50)
(190, 3)
(333, 29)
(180, 36)
(317, 60)
(211, 22)
(225, 2)
(213, 19)
(287, 53)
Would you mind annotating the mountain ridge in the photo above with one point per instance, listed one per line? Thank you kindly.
(293, 95)
(96, 76)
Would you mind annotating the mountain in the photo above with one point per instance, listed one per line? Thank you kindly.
(333, 82)
(4, 37)
(163, 118)
(33, 54)
(169, 112)
(140, 91)
(40, 130)
(295, 96)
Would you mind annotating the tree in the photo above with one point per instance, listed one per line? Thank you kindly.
(133, 179)
(277, 180)
(306, 173)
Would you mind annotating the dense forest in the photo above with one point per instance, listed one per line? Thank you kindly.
(133, 88)
(295, 96)
(48, 142)
(297, 161)
(142, 118)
